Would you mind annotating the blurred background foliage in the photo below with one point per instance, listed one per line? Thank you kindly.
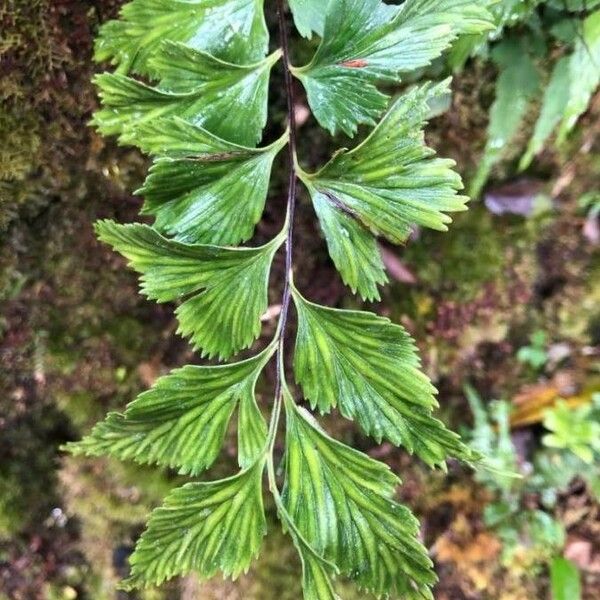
(504, 306)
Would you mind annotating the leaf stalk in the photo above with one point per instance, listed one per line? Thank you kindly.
(290, 210)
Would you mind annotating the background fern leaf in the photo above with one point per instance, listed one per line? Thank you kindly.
(556, 96)
(516, 87)
(584, 73)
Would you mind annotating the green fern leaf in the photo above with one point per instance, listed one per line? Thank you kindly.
(366, 41)
(342, 502)
(352, 247)
(389, 183)
(213, 280)
(194, 86)
(251, 430)
(204, 528)
(516, 87)
(232, 30)
(177, 138)
(556, 96)
(574, 79)
(200, 112)
(309, 16)
(316, 584)
(584, 74)
(316, 571)
(369, 367)
(181, 422)
(216, 194)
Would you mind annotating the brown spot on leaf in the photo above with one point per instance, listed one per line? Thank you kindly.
(338, 203)
(356, 63)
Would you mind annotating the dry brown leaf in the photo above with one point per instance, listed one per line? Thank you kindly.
(148, 372)
(475, 553)
(461, 545)
(530, 404)
(396, 267)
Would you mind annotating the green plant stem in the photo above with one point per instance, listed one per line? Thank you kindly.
(291, 205)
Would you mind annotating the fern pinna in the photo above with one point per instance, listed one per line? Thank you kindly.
(201, 118)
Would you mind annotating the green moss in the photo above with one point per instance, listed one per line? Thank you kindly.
(456, 265)
(111, 502)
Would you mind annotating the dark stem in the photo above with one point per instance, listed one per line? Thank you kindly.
(291, 195)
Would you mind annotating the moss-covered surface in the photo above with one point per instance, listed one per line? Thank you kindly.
(76, 339)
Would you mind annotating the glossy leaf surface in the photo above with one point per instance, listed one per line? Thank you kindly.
(214, 194)
(366, 41)
(388, 184)
(342, 502)
(204, 528)
(369, 368)
(352, 247)
(232, 30)
(309, 15)
(194, 86)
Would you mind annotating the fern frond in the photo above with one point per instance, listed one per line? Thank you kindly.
(200, 113)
